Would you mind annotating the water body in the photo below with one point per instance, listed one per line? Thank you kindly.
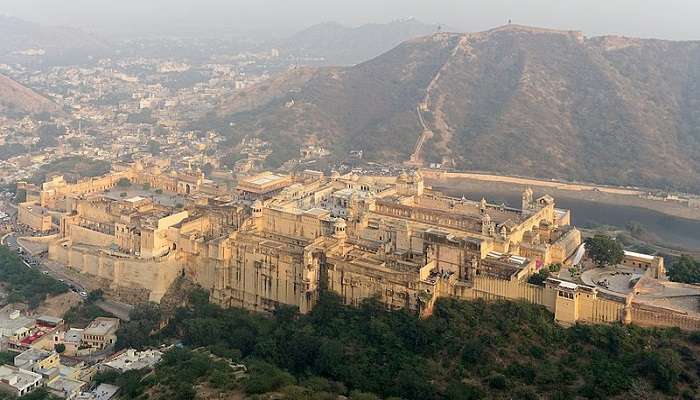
(671, 230)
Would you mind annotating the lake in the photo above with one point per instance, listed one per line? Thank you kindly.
(675, 231)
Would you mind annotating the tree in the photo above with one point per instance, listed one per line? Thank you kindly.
(95, 295)
(153, 147)
(207, 169)
(60, 348)
(146, 186)
(144, 320)
(539, 277)
(685, 270)
(124, 183)
(603, 250)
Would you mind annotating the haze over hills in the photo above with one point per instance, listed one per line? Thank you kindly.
(56, 44)
(15, 97)
(515, 100)
(337, 44)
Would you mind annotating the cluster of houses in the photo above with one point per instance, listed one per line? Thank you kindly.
(44, 352)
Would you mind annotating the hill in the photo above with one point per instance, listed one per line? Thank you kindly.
(54, 44)
(336, 44)
(15, 97)
(515, 100)
(464, 351)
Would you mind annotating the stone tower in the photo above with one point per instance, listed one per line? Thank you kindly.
(527, 203)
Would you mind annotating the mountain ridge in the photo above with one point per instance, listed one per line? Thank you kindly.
(517, 100)
(337, 44)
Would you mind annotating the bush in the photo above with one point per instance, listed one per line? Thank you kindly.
(685, 270)
(264, 377)
(539, 277)
(497, 381)
(123, 183)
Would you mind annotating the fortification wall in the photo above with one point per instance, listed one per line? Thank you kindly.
(653, 317)
(80, 235)
(596, 309)
(497, 289)
(153, 275)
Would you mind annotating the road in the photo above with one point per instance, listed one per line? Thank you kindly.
(59, 272)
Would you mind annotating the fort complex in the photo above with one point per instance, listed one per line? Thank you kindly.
(280, 239)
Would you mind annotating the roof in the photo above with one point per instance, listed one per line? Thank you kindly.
(103, 391)
(317, 212)
(12, 325)
(50, 320)
(264, 182)
(18, 378)
(131, 359)
(639, 255)
(30, 356)
(568, 285)
(73, 335)
(65, 385)
(102, 326)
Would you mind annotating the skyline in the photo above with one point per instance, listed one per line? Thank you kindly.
(671, 19)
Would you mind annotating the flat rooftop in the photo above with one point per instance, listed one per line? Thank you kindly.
(101, 326)
(264, 182)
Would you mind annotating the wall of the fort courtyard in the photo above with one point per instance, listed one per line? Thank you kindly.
(80, 235)
(154, 275)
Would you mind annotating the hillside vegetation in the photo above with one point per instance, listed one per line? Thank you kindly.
(466, 350)
(23, 284)
(513, 100)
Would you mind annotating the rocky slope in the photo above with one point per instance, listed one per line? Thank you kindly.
(17, 98)
(514, 100)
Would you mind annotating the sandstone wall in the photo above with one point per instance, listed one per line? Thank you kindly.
(153, 275)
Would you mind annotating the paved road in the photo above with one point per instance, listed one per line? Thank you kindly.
(10, 240)
(57, 271)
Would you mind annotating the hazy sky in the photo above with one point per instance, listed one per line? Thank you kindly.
(672, 19)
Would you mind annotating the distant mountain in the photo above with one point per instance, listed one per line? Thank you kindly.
(514, 100)
(16, 98)
(337, 44)
(23, 40)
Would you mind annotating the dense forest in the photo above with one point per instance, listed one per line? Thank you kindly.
(465, 350)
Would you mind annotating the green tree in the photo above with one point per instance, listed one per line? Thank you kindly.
(539, 277)
(123, 183)
(603, 250)
(60, 348)
(144, 320)
(95, 295)
(153, 147)
(685, 270)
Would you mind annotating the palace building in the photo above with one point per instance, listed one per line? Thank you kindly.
(281, 239)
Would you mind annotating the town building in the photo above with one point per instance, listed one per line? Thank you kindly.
(101, 333)
(17, 381)
(130, 359)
